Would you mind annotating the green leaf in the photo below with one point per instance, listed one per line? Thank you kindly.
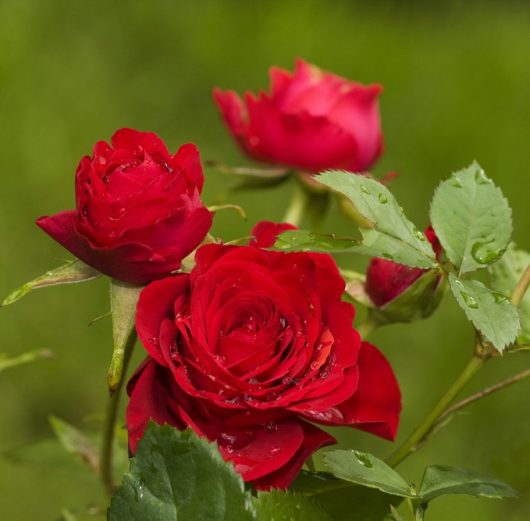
(504, 276)
(489, 311)
(123, 300)
(177, 475)
(440, 480)
(286, 506)
(70, 273)
(26, 358)
(418, 301)
(75, 442)
(472, 219)
(364, 469)
(301, 240)
(385, 230)
(337, 497)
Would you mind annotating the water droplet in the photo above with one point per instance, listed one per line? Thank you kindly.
(455, 182)
(283, 322)
(469, 300)
(419, 235)
(484, 255)
(271, 427)
(499, 298)
(383, 199)
(275, 450)
(154, 341)
(365, 190)
(363, 459)
(228, 438)
(481, 178)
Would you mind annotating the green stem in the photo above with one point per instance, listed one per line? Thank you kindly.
(297, 207)
(521, 287)
(367, 328)
(109, 425)
(425, 427)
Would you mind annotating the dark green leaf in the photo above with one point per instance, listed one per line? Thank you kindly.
(472, 219)
(490, 312)
(440, 480)
(177, 475)
(504, 276)
(286, 506)
(386, 232)
(123, 300)
(70, 273)
(364, 469)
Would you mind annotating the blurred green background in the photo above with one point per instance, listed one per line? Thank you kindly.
(457, 88)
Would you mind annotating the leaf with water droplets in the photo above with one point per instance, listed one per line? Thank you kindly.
(278, 505)
(70, 273)
(177, 475)
(385, 231)
(364, 469)
(490, 311)
(471, 218)
(441, 480)
(504, 276)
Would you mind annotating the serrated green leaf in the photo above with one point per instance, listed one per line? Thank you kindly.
(345, 500)
(70, 273)
(177, 475)
(489, 311)
(25, 358)
(504, 276)
(75, 442)
(472, 219)
(386, 232)
(364, 469)
(418, 301)
(286, 506)
(123, 300)
(441, 480)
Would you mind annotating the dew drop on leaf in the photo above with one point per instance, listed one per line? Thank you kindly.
(365, 190)
(363, 459)
(383, 199)
(469, 300)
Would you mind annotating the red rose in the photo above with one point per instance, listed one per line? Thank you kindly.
(386, 280)
(311, 120)
(250, 349)
(139, 212)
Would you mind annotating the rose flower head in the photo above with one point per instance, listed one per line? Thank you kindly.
(252, 349)
(138, 208)
(310, 120)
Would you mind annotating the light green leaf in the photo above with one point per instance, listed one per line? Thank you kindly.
(177, 475)
(123, 300)
(472, 219)
(440, 480)
(301, 240)
(343, 499)
(385, 230)
(364, 469)
(75, 442)
(504, 276)
(489, 311)
(418, 301)
(26, 358)
(286, 506)
(70, 273)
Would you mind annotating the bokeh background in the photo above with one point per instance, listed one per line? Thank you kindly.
(457, 88)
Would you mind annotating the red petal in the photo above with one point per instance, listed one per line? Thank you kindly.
(265, 233)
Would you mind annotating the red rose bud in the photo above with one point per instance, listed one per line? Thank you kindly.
(311, 120)
(252, 349)
(139, 212)
(387, 280)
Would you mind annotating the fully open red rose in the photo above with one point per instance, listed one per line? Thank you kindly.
(386, 280)
(250, 350)
(139, 212)
(311, 120)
